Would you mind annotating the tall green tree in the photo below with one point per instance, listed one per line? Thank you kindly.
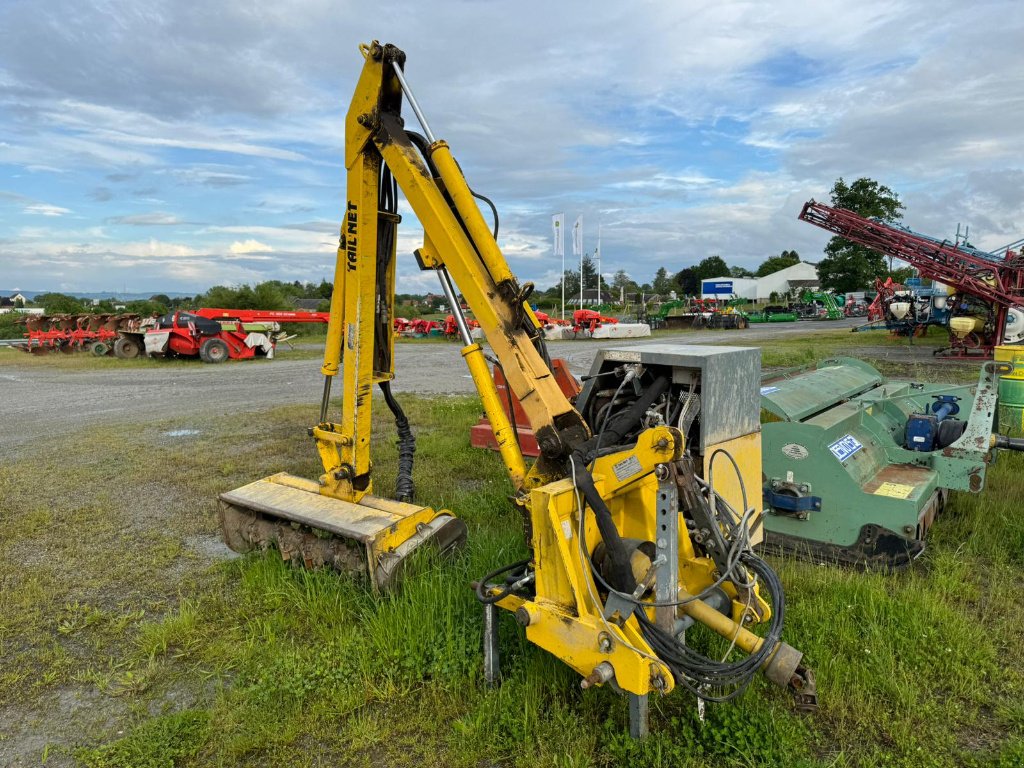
(775, 263)
(662, 283)
(848, 266)
(59, 303)
(712, 266)
(687, 281)
(589, 274)
(622, 283)
(571, 277)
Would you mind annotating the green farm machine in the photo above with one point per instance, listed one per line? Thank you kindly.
(857, 466)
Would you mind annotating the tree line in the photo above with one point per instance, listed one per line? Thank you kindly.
(686, 281)
(844, 267)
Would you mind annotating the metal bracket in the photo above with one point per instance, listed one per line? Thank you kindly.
(788, 498)
(666, 587)
(639, 719)
(491, 656)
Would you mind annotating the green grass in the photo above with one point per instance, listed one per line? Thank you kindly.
(109, 593)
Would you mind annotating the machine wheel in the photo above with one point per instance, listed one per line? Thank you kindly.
(99, 349)
(213, 351)
(127, 348)
(950, 430)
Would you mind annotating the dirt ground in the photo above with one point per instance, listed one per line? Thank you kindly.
(40, 402)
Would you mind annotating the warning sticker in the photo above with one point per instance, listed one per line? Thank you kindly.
(845, 447)
(895, 490)
(768, 390)
(626, 468)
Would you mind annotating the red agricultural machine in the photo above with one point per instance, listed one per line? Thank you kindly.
(416, 328)
(987, 295)
(98, 334)
(547, 320)
(212, 334)
(215, 335)
(451, 326)
(588, 320)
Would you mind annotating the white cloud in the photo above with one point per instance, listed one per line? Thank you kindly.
(43, 209)
(250, 246)
(235, 119)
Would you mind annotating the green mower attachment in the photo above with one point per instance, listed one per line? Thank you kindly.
(856, 467)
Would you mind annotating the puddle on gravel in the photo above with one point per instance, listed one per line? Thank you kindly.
(180, 433)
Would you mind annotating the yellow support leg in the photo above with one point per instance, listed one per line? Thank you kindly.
(500, 424)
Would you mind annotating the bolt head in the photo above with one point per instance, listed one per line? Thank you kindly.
(522, 616)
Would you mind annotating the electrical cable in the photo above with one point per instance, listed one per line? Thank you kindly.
(691, 669)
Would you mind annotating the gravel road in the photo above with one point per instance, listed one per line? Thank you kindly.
(36, 400)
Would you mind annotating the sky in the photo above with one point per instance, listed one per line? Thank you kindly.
(170, 145)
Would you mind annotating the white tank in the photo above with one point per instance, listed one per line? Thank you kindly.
(899, 309)
(1014, 333)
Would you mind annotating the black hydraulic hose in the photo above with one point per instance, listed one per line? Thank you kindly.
(404, 487)
(494, 209)
(481, 586)
(424, 147)
(615, 428)
(620, 572)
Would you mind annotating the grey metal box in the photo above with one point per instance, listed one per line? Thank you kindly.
(730, 382)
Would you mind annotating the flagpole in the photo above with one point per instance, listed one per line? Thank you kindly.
(581, 260)
(558, 234)
(563, 283)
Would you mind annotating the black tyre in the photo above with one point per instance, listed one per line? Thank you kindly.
(213, 351)
(950, 430)
(127, 348)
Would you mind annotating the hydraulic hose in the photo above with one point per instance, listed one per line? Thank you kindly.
(404, 486)
(617, 426)
(620, 571)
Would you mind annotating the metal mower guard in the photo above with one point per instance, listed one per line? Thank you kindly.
(375, 536)
(840, 483)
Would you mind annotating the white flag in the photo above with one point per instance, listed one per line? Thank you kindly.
(558, 231)
(577, 237)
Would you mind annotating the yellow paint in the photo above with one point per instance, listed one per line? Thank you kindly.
(746, 450)
(501, 426)
(565, 615)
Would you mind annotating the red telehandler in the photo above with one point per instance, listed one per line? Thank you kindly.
(213, 334)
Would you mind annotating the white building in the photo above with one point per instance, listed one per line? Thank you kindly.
(729, 287)
(796, 277)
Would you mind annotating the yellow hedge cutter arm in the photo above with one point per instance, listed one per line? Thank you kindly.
(606, 589)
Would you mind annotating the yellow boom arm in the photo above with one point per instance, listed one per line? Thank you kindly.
(458, 243)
